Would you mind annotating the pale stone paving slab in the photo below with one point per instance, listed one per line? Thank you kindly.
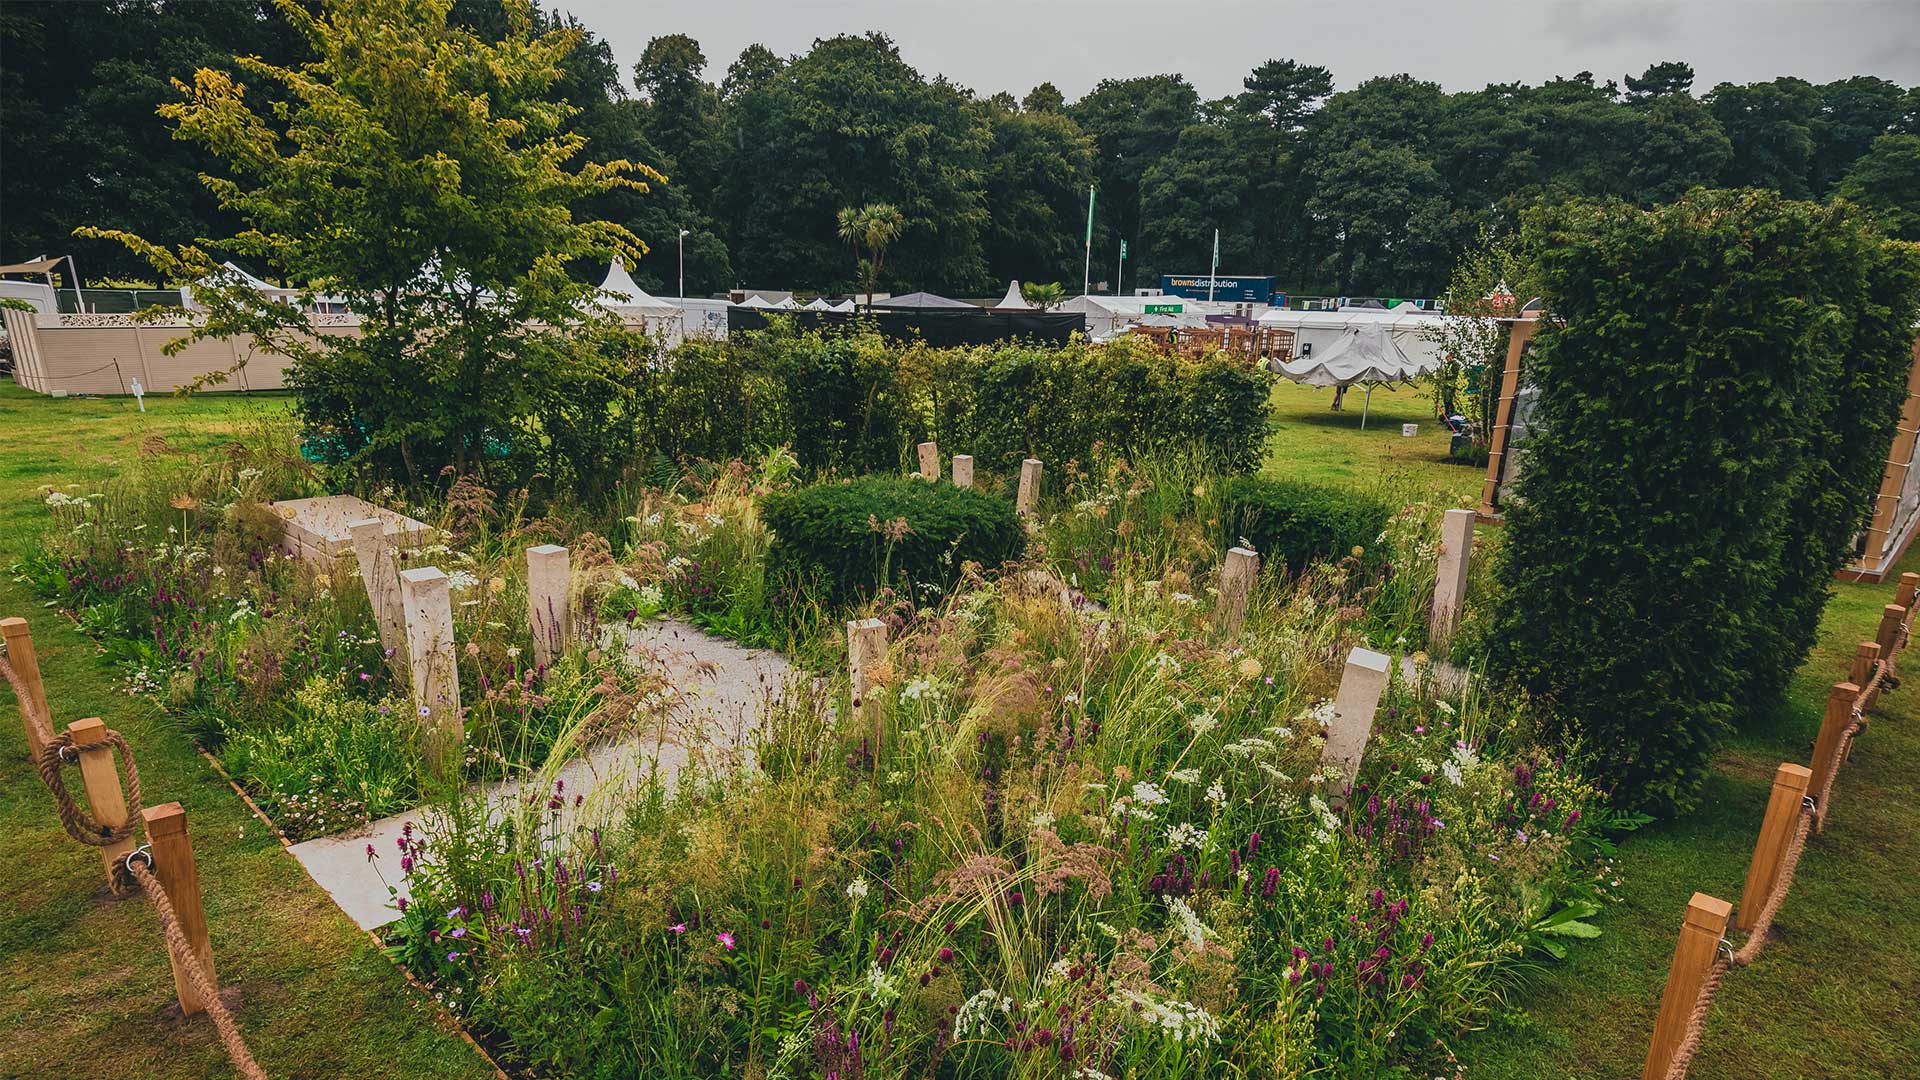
(724, 690)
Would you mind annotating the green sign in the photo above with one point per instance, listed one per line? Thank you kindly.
(1164, 309)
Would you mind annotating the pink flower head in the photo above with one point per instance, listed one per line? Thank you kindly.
(678, 928)
(724, 938)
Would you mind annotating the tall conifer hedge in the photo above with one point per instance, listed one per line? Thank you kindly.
(1719, 384)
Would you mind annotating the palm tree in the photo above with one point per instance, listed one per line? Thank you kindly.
(870, 229)
(1044, 297)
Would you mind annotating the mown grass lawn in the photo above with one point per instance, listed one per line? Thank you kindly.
(85, 990)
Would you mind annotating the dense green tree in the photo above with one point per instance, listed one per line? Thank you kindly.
(849, 123)
(1770, 126)
(1037, 172)
(1852, 113)
(1886, 180)
(1133, 123)
(1669, 78)
(1044, 98)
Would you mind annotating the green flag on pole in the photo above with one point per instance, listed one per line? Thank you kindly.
(1089, 216)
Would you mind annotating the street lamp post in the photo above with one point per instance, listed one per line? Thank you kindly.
(683, 264)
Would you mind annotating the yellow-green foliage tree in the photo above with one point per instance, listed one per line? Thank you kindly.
(425, 176)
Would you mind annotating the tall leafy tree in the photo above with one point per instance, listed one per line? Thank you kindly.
(846, 124)
(1037, 171)
(426, 175)
(1770, 125)
(1133, 123)
(1886, 180)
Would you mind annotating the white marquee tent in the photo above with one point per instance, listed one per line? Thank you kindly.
(1364, 355)
(1410, 328)
(1013, 301)
(619, 291)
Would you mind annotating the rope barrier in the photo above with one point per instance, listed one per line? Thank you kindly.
(1884, 676)
(182, 950)
(136, 870)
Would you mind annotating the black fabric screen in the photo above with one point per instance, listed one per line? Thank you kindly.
(936, 326)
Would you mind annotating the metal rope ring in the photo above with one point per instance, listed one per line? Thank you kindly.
(1807, 803)
(144, 851)
(67, 752)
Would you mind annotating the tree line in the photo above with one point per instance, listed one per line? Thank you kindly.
(1369, 190)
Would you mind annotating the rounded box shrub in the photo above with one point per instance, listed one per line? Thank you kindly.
(852, 538)
(1294, 523)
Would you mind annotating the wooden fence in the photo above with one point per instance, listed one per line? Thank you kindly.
(1796, 810)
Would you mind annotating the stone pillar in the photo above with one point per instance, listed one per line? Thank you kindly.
(963, 470)
(866, 653)
(377, 572)
(549, 611)
(1236, 585)
(1361, 685)
(930, 460)
(1450, 586)
(1028, 495)
(430, 656)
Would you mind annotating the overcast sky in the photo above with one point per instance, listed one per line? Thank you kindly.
(992, 45)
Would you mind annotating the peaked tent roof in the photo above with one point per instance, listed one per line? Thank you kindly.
(622, 292)
(818, 303)
(755, 301)
(916, 300)
(1013, 300)
(1365, 354)
(843, 306)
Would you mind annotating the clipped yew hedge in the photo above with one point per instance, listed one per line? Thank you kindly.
(848, 540)
(1292, 523)
(1719, 383)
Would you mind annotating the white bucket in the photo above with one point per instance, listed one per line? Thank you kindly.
(1409, 430)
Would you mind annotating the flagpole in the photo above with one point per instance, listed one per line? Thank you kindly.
(1213, 274)
(1119, 267)
(1086, 277)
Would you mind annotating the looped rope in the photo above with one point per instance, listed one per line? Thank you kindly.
(79, 824)
(189, 965)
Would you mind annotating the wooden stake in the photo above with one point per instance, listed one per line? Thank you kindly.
(929, 460)
(1700, 935)
(549, 603)
(173, 866)
(1361, 685)
(431, 659)
(100, 773)
(1236, 585)
(1833, 727)
(1909, 588)
(1865, 656)
(1450, 582)
(866, 652)
(1028, 495)
(1776, 830)
(963, 470)
(1891, 617)
(19, 641)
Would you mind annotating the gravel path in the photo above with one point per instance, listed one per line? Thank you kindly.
(724, 690)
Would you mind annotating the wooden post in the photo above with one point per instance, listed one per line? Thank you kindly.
(1361, 685)
(377, 572)
(1776, 829)
(963, 470)
(1236, 585)
(1519, 333)
(1891, 617)
(1833, 727)
(1450, 584)
(100, 773)
(173, 866)
(549, 592)
(1028, 495)
(866, 652)
(1700, 935)
(929, 460)
(26, 664)
(430, 657)
(1865, 656)
(1909, 588)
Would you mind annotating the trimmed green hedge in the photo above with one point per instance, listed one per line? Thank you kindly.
(1718, 389)
(1294, 523)
(846, 539)
(853, 402)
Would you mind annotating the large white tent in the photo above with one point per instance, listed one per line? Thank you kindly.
(1364, 355)
(619, 291)
(1013, 301)
(1410, 328)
